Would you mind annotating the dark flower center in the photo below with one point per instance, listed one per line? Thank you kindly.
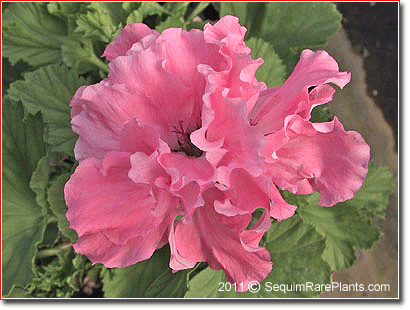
(184, 142)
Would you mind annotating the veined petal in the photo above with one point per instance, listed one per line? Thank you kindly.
(321, 157)
(100, 249)
(102, 199)
(130, 34)
(314, 69)
(220, 241)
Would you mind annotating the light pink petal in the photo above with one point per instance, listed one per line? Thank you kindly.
(238, 77)
(183, 51)
(241, 142)
(101, 198)
(191, 198)
(100, 249)
(162, 100)
(246, 194)
(314, 69)
(189, 250)
(227, 31)
(219, 240)
(251, 238)
(280, 209)
(137, 138)
(184, 169)
(321, 157)
(130, 34)
(145, 169)
(98, 114)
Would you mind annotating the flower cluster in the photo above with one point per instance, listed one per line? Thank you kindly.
(180, 144)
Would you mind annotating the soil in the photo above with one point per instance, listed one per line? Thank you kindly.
(372, 28)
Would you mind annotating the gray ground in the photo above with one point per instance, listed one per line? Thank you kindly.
(357, 111)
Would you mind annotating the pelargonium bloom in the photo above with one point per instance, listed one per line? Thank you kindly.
(180, 144)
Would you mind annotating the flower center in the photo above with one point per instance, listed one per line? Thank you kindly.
(184, 142)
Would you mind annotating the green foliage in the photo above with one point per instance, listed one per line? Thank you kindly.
(31, 34)
(295, 248)
(151, 278)
(343, 227)
(59, 271)
(374, 194)
(288, 26)
(51, 50)
(272, 72)
(102, 21)
(49, 90)
(22, 219)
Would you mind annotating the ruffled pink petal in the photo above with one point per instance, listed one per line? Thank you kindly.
(241, 142)
(101, 198)
(145, 169)
(162, 100)
(183, 51)
(130, 34)
(220, 241)
(321, 157)
(229, 32)
(98, 115)
(137, 138)
(238, 77)
(314, 69)
(184, 169)
(247, 193)
(279, 208)
(100, 249)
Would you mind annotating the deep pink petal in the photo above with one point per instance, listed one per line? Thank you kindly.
(279, 208)
(220, 241)
(130, 34)
(162, 100)
(314, 69)
(241, 141)
(98, 115)
(238, 77)
(321, 157)
(100, 249)
(137, 138)
(101, 198)
(184, 169)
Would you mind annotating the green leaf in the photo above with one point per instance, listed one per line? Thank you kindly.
(31, 34)
(150, 278)
(343, 226)
(292, 26)
(58, 206)
(17, 292)
(206, 284)
(176, 12)
(295, 249)
(39, 182)
(68, 11)
(272, 72)
(102, 21)
(152, 8)
(251, 14)
(78, 53)
(288, 26)
(373, 197)
(168, 285)
(49, 90)
(321, 114)
(22, 219)
(197, 10)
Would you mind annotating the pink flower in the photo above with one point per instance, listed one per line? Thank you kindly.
(181, 144)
